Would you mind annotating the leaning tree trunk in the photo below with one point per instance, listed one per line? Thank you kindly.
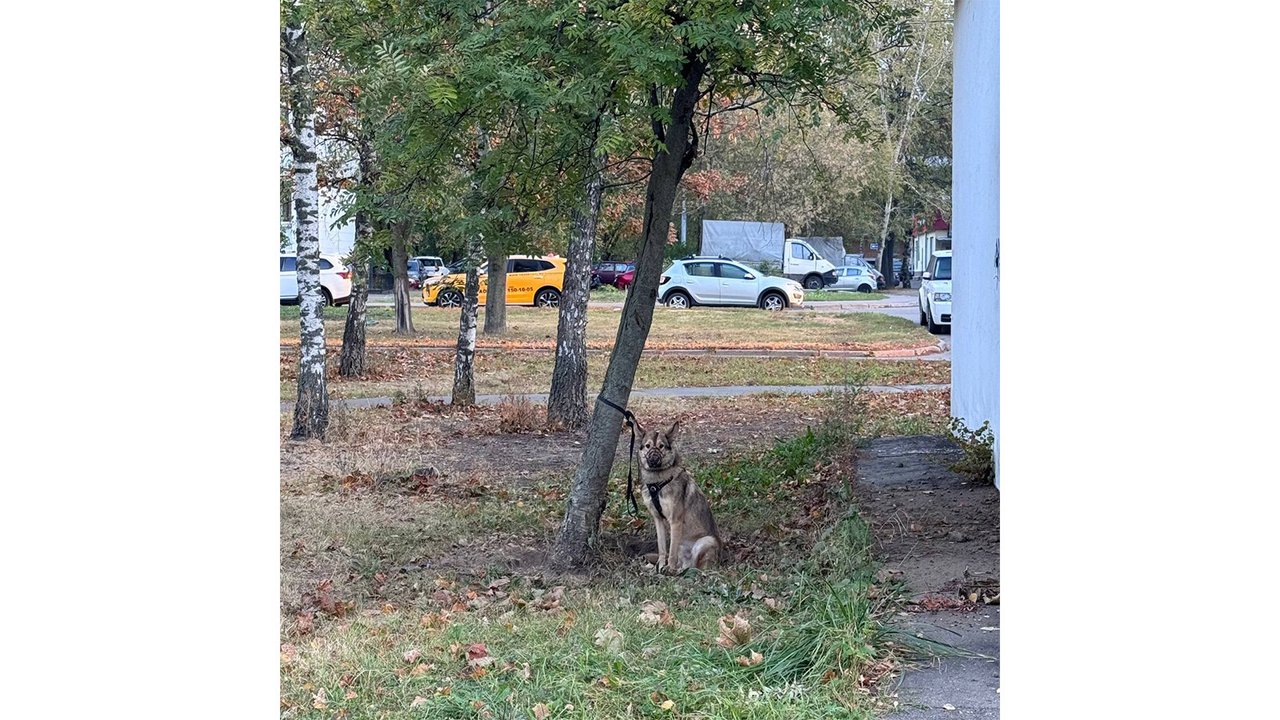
(352, 362)
(464, 385)
(311, 411)
(567, 403)
(585, 505)
(885, 260)
(495, 302)
(400, 270)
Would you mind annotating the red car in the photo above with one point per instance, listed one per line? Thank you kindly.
(607, 273)
(625, 279)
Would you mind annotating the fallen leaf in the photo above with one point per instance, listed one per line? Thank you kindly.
(773, 604)
(525, 673)
(421, 669)
(306, 622)
(319, 701)
(541, 711)
(609, 638)
(475, 651)
(654, 613)
(755, 659)
(412, 655)
(350, 695)
(288, 654)
(734, 630)
(667, 705)
(417, 700)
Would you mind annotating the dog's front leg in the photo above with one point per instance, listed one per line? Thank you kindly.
(663, 528)
(673, 556)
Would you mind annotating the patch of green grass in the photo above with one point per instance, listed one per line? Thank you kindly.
(842, 295)
(500, 372)
(813, 612)
(698, 327)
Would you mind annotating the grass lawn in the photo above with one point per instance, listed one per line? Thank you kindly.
(842, 295)
(430, 372)
(693, 328)
(425, 593)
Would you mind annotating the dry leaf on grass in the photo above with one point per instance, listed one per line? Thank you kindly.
(288, 654)
(734, 630)
(668, 704)
(755, 659)
(412, 655)
(319, 701)
(656, 612)
(610, 639)
(417, 700)
(541, 711)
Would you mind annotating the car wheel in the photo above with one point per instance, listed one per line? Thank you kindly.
(813, 282)
(679, 300)
(923, 320)
(773, 301)
(547, 297)
(864, 288)
(449, 298)
(325, 298)
(933, 328)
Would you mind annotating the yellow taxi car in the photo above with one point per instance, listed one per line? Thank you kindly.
(531, 280)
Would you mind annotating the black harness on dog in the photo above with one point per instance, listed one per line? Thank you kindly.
(631, 422)
(654, 489)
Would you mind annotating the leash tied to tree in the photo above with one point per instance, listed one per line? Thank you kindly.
(630, 419)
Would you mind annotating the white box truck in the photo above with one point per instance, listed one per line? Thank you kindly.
(752, 243)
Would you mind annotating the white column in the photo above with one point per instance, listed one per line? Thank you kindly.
(975, 229)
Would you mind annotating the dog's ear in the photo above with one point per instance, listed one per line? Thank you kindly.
(673, 433)
(639, 428)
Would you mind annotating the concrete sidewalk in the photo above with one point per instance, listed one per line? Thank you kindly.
(940, 534)
(690, 392)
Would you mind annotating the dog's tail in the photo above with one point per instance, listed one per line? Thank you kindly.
(704, 550)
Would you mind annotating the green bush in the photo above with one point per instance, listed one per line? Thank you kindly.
(978, 446)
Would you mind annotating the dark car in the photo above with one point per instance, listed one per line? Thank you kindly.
(625, 279)
(609, 272)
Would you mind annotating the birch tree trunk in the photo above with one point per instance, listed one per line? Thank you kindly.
(495, 302)
(352, 362)
(567, 403)
(400, 270)
(464, 386)
(311, 411)
(579, 531)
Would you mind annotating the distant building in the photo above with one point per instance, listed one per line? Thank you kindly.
(337, 237)
(928, 234)
(975, 221)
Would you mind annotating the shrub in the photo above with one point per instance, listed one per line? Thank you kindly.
(978, 446)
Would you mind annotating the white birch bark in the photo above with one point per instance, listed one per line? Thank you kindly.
(311, 412)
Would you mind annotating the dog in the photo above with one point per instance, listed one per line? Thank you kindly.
(687, 533)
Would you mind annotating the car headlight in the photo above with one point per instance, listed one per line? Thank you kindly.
(942, 297)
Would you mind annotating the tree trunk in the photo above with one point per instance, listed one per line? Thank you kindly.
(352, 362)
(400, 271)
(567, 403)
(464, 386)
(495, 303)
(311, 412)
(578, 532)
(885, 260)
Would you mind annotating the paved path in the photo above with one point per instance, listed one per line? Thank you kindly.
(688, 392)
(916, 504)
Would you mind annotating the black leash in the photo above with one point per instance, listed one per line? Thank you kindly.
(631, 423)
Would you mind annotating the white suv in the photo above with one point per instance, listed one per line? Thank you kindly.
(335, 280)
(720, 281)
(935, 293)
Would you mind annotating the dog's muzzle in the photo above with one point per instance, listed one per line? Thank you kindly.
(653, 460)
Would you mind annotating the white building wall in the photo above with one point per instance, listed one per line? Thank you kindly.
(975, 226)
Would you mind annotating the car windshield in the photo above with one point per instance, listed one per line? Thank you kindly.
(943, 271)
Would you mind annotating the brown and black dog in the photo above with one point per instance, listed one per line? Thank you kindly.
(687, 534)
